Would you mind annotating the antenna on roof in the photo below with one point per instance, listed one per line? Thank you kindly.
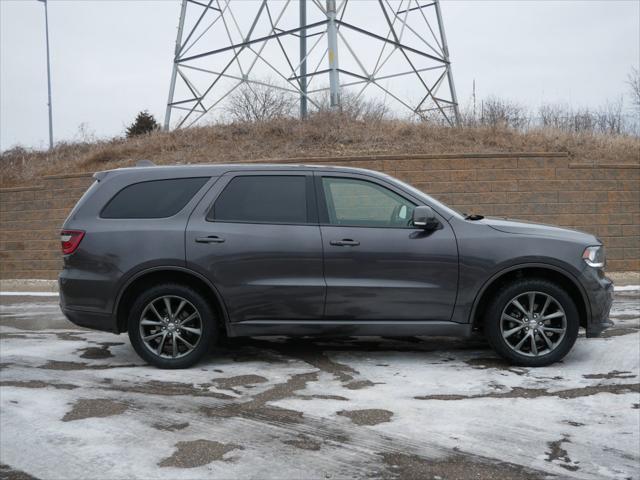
(145, 163)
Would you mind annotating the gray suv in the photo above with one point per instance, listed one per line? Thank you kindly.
(178, 256)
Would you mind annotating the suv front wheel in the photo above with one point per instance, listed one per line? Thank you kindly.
(171, 326)
(532, 322)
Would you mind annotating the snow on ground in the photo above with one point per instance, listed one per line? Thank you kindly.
(81, 404)
(626, 288)
(28, 294)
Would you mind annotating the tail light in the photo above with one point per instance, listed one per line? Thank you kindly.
(70, 239)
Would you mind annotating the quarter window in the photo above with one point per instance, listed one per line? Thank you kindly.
(262, 199)
(153, 199)
(362, 203)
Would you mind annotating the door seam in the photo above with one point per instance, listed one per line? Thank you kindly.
(324, 277)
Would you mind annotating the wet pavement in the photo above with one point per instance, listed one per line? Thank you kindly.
(81, 404)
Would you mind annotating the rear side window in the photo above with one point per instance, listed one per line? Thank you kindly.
(153, 199)
(262, 199)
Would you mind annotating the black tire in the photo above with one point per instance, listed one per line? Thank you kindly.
(196, 302)
(501, 301)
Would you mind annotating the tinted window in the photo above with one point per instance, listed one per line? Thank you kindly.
(262, 199)
(361, 203)
(154, 199)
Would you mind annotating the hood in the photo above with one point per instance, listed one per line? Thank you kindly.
(520, 227)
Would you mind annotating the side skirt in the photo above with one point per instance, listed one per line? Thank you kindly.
(348, 328)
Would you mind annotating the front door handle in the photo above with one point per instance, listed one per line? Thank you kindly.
(210, 239)
(345, 242)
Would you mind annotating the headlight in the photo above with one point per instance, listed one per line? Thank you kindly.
(594, 256)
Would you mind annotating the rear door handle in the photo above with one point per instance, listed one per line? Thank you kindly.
(345, 242)
(210, 239)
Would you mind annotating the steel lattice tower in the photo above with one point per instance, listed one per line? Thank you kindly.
(395, 50)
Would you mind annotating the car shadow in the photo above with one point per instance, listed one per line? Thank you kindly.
(280, 349)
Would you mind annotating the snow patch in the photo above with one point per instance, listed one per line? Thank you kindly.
(626, 288)
(28, 294)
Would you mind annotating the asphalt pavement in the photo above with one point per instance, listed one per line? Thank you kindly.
(77, 404)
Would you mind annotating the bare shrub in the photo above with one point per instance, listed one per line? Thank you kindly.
(435, 117)
(14, 159)
(354, 107)
(260, 102)
(554, 116)
(564, 118)
(608, 119)
(85, 134)
(497, 112)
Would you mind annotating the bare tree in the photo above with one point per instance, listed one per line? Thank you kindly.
(554, 116)
(497, 112)
(610, 119)
(581, 121)
(633, 80)
(563, 117)
(254, 102)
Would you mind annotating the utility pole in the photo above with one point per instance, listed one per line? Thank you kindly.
(174, 71)
(46, 26)
(332, 36)
(303, 59)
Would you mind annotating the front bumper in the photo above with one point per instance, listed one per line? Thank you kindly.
(599, 289)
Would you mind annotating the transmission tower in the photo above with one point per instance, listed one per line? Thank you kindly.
(324, 52)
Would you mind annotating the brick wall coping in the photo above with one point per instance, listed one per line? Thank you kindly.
(21, 189)
(605, 165)
(68, 175)
(413, 156)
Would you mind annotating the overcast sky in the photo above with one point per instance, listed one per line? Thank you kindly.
(111, 59)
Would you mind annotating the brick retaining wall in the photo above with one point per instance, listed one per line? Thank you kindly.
(549, 188)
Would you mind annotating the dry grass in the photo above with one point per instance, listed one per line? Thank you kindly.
(322, 135)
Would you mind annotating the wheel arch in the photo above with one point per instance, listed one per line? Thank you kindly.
(156, 275)
(531, 270)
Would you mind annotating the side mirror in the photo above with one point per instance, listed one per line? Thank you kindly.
(425, 217)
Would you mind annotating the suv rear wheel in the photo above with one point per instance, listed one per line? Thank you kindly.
(532, 322)
(171, 326)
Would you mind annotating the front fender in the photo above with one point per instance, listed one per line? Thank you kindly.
(566, 271)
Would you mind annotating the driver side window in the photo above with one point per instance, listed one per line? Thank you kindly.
(361, 203)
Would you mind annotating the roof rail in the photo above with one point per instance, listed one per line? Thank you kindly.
(145, 163)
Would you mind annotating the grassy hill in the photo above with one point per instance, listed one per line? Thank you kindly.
(322, 135)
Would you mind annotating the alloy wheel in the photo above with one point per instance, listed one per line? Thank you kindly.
(533, 324)
(170, 326)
